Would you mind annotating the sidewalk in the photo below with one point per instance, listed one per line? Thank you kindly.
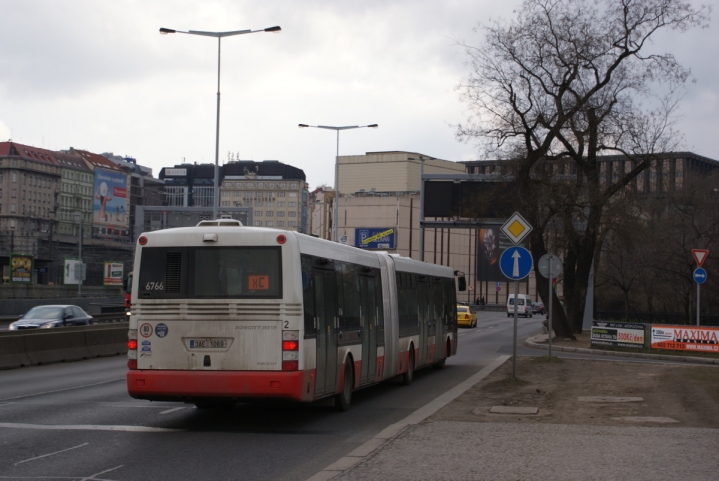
(594, 420)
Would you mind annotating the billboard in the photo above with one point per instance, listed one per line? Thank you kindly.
(492, 243)
(375, 238)
(685, 338)
(21, 268)
(619, 334)
(110, 217)
(72, 272)
(113, 274)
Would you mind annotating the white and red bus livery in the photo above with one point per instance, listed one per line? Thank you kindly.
(225, 313)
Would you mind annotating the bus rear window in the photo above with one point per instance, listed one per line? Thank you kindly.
(211, 272)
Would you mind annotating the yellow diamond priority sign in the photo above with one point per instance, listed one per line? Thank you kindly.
(516, 228)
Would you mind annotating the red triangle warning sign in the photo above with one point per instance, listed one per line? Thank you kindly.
(700, 255)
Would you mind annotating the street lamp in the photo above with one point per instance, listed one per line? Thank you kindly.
(337, 187)
(219, 36)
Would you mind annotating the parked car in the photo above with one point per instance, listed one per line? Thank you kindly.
(45, 317)
(465, 317)
(538, 308)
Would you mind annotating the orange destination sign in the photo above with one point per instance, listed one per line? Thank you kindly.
(258, 283)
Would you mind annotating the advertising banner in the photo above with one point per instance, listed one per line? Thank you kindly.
(376, 238)
(110, 217)
(72, 272)
(113, 274)
(618, 334)
(685, 338)
(492, 243)
(21, 268)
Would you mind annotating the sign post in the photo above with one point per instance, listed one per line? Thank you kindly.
(550, 266)
(516, 263)
(700, 275)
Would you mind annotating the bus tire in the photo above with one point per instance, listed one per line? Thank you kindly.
(344, 398)
(409, 373)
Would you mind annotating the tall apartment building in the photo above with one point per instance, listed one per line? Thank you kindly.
(276, 192)
(75, 198)
(29, 186)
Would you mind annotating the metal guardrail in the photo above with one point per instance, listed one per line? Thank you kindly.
(97, 318)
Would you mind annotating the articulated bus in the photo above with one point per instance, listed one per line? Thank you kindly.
(224, 314)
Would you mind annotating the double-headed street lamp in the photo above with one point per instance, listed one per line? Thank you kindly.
(337, 157)
(219, 36)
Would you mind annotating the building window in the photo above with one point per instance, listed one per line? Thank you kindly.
(258, 203)
(280, 204)
(293, 185)
(280, 194)
(258, 223)
(226, 193)
(270, 194)
(268, 223)
(250, 185)
(248, 203)
(291, 223)
(293, 204)
(14, 177)
(293, 194)
(280, 223)
(238, 194)
(283, 185)
(13, 208)
(270, 213)
(270, 204)
(258, 213)
(248, 194)
(225, 203)
(292, 214)
(13, 193)
(271, 185)
(280, 214)
(260, 185)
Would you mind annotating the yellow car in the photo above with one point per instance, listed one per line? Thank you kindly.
(465, 317)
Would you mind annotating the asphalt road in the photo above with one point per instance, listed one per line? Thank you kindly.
(76, 421)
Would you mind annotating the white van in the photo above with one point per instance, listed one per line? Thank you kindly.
(524, 305)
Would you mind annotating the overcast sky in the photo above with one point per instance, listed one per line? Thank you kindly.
(98, 76)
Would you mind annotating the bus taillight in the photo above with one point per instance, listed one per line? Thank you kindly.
(132, 349)
(290, 350)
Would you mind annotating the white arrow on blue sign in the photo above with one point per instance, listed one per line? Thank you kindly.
(700, 275)
(515, 263)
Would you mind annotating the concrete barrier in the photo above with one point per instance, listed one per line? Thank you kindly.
(46, 346)
(106, 340)
(12, 351)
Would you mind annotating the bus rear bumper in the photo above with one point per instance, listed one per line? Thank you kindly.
(189, 385)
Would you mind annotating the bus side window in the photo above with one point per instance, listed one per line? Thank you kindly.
(348, 294)
(308, 295)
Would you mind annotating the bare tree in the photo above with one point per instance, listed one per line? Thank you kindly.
(569, 81)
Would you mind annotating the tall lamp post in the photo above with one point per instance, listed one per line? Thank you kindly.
(219, 36)
(337, 165)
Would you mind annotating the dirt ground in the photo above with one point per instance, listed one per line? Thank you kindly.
(687, 394)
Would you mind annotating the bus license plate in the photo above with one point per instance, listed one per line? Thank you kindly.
(208, 343)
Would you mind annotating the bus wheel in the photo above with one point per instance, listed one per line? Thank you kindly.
(343, 399)
(409, 373)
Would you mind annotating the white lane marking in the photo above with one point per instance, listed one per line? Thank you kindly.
(92, 477)
(62, 390)
(51, 454)
(172, 410)
(6, 404)
(88, 427)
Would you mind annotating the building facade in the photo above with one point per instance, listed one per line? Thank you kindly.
(75, 198)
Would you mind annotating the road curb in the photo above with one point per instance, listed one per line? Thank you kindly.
(531, 342)
(391, 431)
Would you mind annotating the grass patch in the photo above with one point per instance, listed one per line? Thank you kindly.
(547, 360)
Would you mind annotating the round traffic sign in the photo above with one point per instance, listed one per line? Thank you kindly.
(515, 263)
(700, 275)
(543, 265)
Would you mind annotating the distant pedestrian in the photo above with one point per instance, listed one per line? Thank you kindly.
(477, 301)
(482, 301)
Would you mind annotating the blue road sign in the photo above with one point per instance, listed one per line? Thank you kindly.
(700, 275)
(515, 263)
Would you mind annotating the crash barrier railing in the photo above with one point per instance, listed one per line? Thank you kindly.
(97, 318)
(29, 347)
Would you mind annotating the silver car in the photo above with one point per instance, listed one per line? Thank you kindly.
(45, 317)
